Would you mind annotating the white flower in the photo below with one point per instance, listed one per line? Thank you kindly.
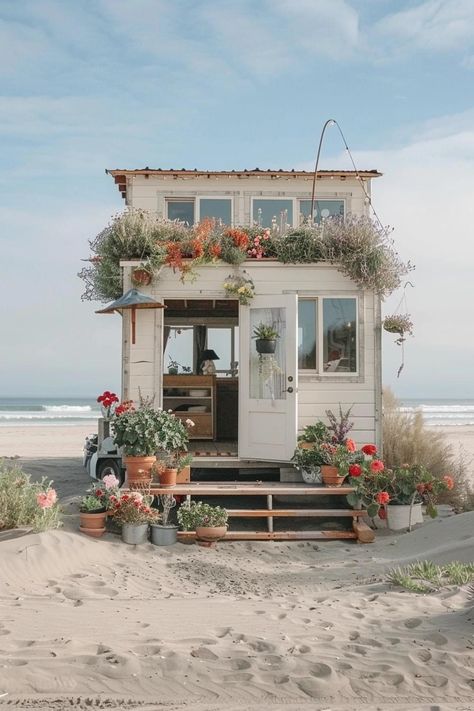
(189, 423)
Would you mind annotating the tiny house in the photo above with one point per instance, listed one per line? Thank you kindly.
(248, 406)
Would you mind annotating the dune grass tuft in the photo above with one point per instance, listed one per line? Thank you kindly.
(426, 577)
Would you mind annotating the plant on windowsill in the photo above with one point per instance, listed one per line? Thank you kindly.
(266, 338)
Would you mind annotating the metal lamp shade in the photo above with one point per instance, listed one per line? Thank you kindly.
(132, 300)
(209, 355)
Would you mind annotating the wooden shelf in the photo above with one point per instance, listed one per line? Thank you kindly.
(204, 421)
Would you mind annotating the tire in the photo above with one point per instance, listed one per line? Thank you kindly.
(110, 466)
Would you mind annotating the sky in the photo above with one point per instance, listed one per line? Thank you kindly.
(229, 84)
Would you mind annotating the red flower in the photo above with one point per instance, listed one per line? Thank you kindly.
(382, 513)
(99, 493)
(449, 481)
(125, 497)
(369, 449)
(355, 470)
(420, 488)
(382, 497)
(215, 250)
(351, 445)
(429, 486)
(377, 466)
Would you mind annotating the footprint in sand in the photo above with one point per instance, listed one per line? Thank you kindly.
(223, 632)
(260, 645)
(304, 649)
(320, 670)
(413, 622)
(436, 638)
(423, 655)
(204, 653)
(437, 681)
(239, 664)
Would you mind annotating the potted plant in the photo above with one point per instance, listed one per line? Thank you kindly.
(142, 275)
(209, 522)
(137, 433)
(93, 514)
(164, 533)
(132, 511)
(409, 487)
(308, 462)
(337, 459)
(173, 367)
(266, 338)
(368, 478)
(313, 436)
(173, 440)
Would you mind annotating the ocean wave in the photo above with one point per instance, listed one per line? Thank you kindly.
(44, 416)
(437, 408)
(67, 408)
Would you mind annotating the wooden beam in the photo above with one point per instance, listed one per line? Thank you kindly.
(294, 513)
(363, 532)
(254, 489)
(275, 536)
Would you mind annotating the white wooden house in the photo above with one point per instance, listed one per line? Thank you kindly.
(328, 353)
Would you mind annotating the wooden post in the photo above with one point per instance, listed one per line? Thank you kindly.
(364, 533)
(270, 518)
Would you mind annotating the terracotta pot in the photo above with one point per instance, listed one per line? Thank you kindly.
(306, 445)
(92, 532)
(210, 533)
(141, 277)
(139, 469)
(184, 475)
(93, 523)
(331, 476)
(168, 477)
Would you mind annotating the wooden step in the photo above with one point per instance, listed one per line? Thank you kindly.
(294, 513)
(253, 489)
(275, 535)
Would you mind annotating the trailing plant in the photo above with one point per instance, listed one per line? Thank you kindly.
(197, 514)
(240, 286)
(26, 503)
(355, 245)
(399, 323)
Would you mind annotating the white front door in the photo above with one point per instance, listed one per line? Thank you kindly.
(268, 382)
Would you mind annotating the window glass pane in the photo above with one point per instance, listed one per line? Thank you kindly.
(182, 210)
(178, 348)
(220, 340)
(307, 315)
(217, 209)
(339, 335)
(267, 369)
(322, 209)
(265, 211)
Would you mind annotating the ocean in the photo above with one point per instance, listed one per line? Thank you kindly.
(71, 411)
(38, 411)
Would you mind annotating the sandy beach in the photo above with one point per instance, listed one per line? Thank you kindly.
(95, 623)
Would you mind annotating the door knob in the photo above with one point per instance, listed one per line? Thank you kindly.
(289, 390)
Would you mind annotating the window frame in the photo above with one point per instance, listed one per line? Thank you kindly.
(319, 198)
(176, 198)
(286, 198)
(319, 371)
(233, 359)
(196, 201)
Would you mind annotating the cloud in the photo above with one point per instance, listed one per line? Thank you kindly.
(434, 25)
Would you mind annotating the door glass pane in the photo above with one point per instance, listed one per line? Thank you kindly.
(220, 340)
(322, 209)
(307, 315)
(268, 213)
(178, 349)
(216, 209)
(267, 369)
(182, 210)
(340, 335)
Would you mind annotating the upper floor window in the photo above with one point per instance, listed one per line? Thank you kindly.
(322, 209)
(190, 210)
(328, 335)
(273, 212)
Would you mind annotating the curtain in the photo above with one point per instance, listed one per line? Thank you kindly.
(200, 337)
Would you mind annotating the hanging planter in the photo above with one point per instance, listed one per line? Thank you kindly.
(142, 275)
(400, 324)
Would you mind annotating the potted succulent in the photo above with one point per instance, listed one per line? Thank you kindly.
(164, 533)
(266, 338)
(93, 515)
(137, 433)
(173, 440)
(209, 522)
(133, 512)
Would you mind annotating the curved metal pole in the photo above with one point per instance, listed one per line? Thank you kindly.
(329, 122)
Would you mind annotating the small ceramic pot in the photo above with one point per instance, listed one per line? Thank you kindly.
(93, 523)
(164, 535)
(312, 476)
(210, 533)
(134, 534)
(168, 477)
(264, 346)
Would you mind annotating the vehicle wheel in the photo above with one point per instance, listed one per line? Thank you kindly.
(110, 466)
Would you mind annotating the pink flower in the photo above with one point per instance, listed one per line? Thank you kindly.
(377, 466)
(46, 500)
(382, 498)
(110, 481)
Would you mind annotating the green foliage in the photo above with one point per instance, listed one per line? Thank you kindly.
(91, 504)
(265, 332)
(19, 505)
(425, 576)
(300, 246)
(308, 459)
(199, 514)
(138, 432)
(316, 433)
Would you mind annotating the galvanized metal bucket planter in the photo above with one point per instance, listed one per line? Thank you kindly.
(134, 534)
(164, 535)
